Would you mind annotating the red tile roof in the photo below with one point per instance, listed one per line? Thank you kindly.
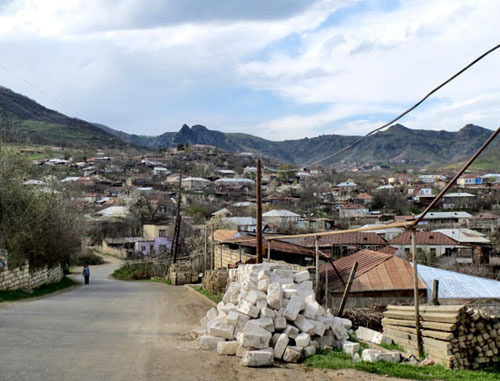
(376, 272)
(486, 216)
(363, 196)
(356, 238)
(424, 238)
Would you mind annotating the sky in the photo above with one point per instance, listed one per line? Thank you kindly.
(280, 69)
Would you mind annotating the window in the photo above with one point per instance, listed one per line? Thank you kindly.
(162, 233)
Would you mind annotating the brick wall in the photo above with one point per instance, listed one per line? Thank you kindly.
(21, 277)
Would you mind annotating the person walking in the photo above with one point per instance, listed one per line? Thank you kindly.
(86, 273)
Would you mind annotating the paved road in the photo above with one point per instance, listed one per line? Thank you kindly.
(114, 330)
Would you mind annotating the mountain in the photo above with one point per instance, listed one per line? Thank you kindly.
(24, 120)
(398, 144)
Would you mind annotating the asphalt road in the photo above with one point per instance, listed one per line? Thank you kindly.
(116, 330)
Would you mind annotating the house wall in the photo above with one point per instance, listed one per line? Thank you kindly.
(21, 277)
(150, 232)
(370, 301)
(225, 256)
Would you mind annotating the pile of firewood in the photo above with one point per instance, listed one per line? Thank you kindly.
(456, 336)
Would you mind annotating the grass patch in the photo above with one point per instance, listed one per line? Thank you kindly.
(353, 338)
(392, 347)
(209, 294)
(13, 295)
(137, 271)
(157, 280)
(336, 359)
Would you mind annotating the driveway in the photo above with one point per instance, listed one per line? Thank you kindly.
(116, 330)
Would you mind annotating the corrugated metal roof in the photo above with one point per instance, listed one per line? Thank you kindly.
(224, 234)
(424, 238)
(387, 250)
(464, 235)
(355, 238)
(459, 286)
(439, 215)
(284, 247)
(376, 272)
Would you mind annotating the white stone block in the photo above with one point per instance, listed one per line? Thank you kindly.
(228, 348)
(220, 330)
(210, 342)
(315, 344)
(267, 313)
(274, 339)
(263, 284)
(274, 296)
(241, 350)
(392, 356)
(370, 355)
(257, 359)
(260, 304)
(255, 336)
(350, 348)
(279, 323)
(293, 308)
(248, 308)
(301, 276)
(264, 275)
(303, 340)
(280, 346)
(319, 327)
(232, 318)
(289, 292)
(292, 354)
(212, 313)
(309, 351)
(255, 295)
(368, 334)
(266, 323)
(291, 331)
(304, 325)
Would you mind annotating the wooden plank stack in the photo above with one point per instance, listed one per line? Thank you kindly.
(455, 336)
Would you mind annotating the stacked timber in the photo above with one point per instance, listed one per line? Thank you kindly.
(456, 336)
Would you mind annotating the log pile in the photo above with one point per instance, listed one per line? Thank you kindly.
(457, 336)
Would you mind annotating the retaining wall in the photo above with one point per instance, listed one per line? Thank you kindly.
(22, 278)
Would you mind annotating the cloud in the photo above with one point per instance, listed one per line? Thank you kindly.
(277, 69)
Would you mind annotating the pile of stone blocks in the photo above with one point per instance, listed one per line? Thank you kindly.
(181, 273)
(269, 312)
(216, 280)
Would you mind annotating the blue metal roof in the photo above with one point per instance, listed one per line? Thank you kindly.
(457, 285)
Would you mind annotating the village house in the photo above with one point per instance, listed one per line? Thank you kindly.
(431, 179)
(469, 180)
(457, 200)
(437, 245)
(435, 220)
(281, 217)
(353, 210)
(226, 172)
(227, 184)
(343, 244)
(194, 183)
(399, 179)
(243, 249)
(363, 198)
(486, 223)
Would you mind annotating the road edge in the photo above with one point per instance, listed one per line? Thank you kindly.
(200, 296)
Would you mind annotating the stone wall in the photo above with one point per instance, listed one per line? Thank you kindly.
(22, 278)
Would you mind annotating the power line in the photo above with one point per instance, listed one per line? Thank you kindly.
(407, 111)
(40, 90)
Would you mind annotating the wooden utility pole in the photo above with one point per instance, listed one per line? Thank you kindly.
(347, 289)
(177, 226)
(258, 192)
(326, 285)
(316, 252)
(269, 250)
(435, 292)
(205, 249)
(415, 290)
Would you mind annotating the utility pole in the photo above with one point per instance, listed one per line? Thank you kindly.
(258, 192)
(177, 226)
(415, 290)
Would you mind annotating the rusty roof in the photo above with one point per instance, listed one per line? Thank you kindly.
(354, 238)
(423, 238)
(224, 234)
(376, 272)
(277, 245)
(387, 250)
